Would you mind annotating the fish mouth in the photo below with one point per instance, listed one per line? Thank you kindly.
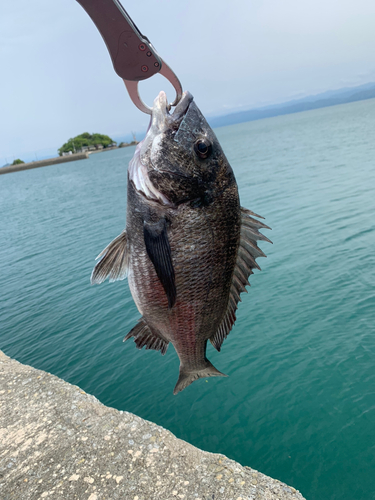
(162, 119)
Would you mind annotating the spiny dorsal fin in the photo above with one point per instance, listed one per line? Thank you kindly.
(248, 251)
(144, 336)
(113, 261)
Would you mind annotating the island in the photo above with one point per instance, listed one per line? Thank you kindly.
(76, 148)
(86, 142)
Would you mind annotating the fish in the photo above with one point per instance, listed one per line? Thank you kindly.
(189, 247)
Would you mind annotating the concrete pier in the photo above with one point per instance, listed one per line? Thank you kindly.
(57, 442)
(43, 163)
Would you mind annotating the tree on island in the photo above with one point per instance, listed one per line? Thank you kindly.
(17, 162)
(76, 143)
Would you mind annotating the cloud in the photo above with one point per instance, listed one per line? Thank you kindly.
(58, 78)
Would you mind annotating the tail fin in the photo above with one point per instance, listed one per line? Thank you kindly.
(188, 376)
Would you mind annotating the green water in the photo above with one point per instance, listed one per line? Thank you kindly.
(299, 401)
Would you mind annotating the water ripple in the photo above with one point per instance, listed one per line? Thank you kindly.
(299, 401)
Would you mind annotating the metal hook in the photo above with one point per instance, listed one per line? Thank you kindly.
(166, 71)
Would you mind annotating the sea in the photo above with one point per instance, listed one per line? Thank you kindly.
(299, 401)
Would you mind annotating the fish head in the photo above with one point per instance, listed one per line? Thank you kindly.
(180, 159)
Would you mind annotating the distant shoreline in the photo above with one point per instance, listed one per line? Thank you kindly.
(43, 163)
(291, 107)
(58, 159)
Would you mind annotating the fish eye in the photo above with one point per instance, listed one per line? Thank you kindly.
(203, 148)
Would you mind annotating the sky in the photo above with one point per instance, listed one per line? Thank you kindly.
(57, 78)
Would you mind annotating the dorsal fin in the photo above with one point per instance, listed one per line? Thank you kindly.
(144, 336)
(248, 251)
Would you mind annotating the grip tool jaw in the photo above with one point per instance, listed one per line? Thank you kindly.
(133, 56)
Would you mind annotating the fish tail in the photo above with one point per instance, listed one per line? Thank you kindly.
(188, 375)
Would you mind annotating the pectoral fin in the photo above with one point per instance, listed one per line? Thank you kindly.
(159, 252)
(113, 261)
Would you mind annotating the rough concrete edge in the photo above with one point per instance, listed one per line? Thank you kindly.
(16, 366)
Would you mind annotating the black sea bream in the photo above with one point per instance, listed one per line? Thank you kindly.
(188, 248)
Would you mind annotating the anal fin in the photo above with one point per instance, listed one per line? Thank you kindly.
(144, 336)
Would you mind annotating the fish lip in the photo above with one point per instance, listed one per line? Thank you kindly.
(162, 119)
(182, 106)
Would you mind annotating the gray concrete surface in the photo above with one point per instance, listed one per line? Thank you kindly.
(57, 442)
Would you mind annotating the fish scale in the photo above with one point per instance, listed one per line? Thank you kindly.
(188, 247)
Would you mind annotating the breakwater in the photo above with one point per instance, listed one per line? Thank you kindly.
(43, 163)
(58, 442)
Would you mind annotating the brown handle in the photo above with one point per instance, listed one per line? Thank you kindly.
(133, 56)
